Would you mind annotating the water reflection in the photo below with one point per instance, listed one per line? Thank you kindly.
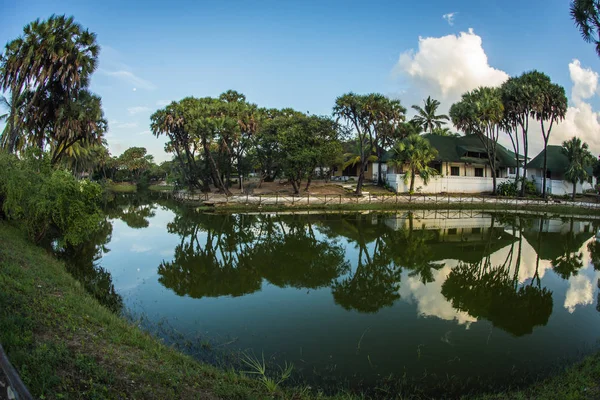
(220, 255)
(450, 293)
(83, 263)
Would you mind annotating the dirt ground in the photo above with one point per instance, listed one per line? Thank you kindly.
(317, 187)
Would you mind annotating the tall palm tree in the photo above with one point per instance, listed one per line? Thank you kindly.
(580, 158)
(586, 14)
(427, 118)
(54, 60)
(416, 153)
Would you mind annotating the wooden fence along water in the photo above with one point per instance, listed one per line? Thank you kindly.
(387, 199)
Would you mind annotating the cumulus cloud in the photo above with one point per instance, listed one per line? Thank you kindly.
(129, 77)
(580, 292)
(137, 110)
(581, 119)
(448, 66)
(450, 18)
(585, 81)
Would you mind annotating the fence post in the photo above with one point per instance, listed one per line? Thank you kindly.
(340, 199)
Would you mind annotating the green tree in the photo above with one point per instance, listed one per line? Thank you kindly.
(54, 59)
(586, 14)
(416, 153)
(519, 96)
(353, 109)
(386, 115)
(136, 161)
(481, 112)
(427, 117)
(580, 159)
(307, 143)
(549, 109)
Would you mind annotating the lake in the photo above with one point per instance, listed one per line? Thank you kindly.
(483, 299)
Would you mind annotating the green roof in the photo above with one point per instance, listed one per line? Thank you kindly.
(457, 149)
(557, 161)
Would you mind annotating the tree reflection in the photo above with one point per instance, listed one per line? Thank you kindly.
(230, 255)
(135, 210)
(82, 263)
(493, 293)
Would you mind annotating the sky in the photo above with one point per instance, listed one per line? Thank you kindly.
(305, 54)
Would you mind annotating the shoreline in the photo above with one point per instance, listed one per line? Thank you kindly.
(272, 203)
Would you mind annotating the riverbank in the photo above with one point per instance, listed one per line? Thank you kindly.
(65, 345)
(274, 203)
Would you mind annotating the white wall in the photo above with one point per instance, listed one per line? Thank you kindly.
(445, 184)
(384, 169)
(555, 186)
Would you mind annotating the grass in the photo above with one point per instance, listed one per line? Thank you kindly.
(65, 345)
(122, 187)
(161, 188)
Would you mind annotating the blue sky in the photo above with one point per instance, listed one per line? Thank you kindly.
(304, 54)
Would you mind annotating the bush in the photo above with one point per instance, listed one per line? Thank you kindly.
(511, 189)
(508, 189)
(51, 204)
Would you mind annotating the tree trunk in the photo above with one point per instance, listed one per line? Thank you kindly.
(545, 171)
(379, 177)
(412, 181)
(525, 148)
(295, 186)
(574, 190)
(361, 176)
(215, 170)
(308, 183)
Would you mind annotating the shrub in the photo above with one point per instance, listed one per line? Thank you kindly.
(507, 189)
(50, 203)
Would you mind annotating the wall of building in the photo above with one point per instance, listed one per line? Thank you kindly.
(444, 184)
(557, 187)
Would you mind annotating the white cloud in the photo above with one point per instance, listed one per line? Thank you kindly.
(450, 18)
(136, 248)
(581, 119)
(585, 81)
(429, 299)
(131, 78)
(124, 125)
(448, 66)
(580, 292)
(137, 110)
(162, 103)
(144, 133)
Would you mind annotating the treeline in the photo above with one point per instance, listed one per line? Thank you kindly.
(217, 142)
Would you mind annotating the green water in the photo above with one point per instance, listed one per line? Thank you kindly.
(357, 298)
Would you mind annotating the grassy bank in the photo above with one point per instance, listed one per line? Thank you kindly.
(122, 187)
(66, 345)
(161, 188)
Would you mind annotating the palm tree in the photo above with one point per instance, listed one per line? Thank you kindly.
(354, 157)
(415, 152)
(586, 14)
(54, 60)
(579, 158)
(426, 117)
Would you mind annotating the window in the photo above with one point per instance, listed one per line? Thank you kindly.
(590, 180)
(549, 174)
(452, 231)
(512, 171)
(455, 171)
(479, 172)
(475, 230)
(366, 167)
